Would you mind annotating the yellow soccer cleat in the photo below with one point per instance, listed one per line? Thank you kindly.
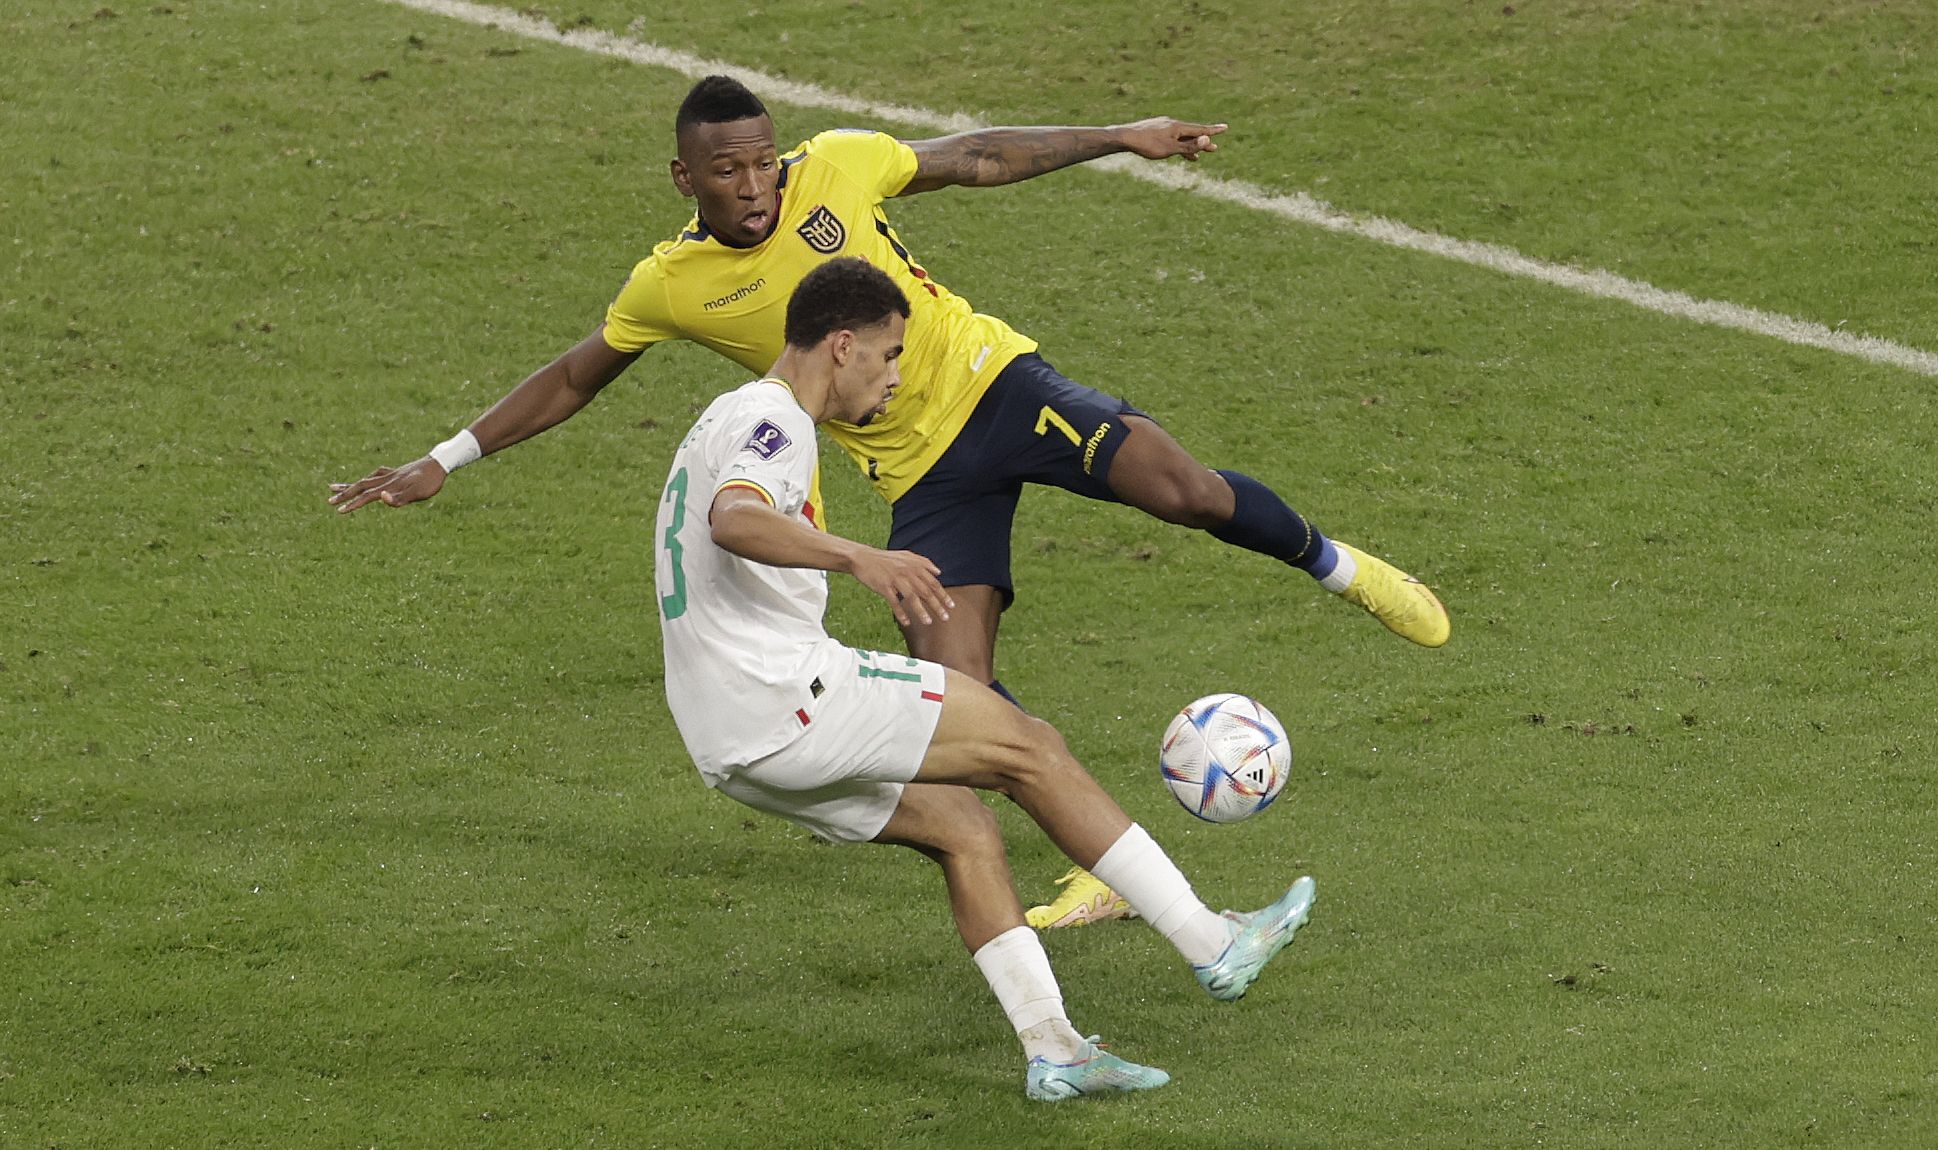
(1085, 899)
(1396, 599)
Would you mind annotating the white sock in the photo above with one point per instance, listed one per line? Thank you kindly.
(1342, 572)
(1018, 971)
(1137, 868)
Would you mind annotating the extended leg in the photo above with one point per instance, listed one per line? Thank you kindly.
(966, 642)
(982, 741)
(1154, 473)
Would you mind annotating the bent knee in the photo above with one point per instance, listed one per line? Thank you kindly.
(1035, 756)
(966, 826)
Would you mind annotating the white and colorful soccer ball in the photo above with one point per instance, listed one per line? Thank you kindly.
(1225, 758)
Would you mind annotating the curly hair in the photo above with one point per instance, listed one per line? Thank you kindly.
(847, 294)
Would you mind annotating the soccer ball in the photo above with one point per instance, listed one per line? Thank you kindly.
(1225, 758)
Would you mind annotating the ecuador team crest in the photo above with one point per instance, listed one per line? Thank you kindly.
(823, 231)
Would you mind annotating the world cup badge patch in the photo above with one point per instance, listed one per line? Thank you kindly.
(823, 232)
(767, 440)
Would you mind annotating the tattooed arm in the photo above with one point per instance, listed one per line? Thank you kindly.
(993, 156)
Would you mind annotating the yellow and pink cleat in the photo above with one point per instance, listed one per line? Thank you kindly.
(1084, 900)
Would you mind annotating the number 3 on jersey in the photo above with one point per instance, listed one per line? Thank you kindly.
(673, 606)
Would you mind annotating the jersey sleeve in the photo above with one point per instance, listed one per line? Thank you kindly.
(640, 316)
(772, 451)
(876, 161)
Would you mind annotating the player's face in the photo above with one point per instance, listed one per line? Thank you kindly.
(733, 171)
(873, 370)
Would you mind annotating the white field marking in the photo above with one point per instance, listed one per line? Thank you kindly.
(1296, 206)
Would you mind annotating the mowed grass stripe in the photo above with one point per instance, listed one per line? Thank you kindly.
(1297, 207)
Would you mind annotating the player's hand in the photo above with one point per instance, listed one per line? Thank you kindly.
(909, 583)
(395, 486)
(1162, 137)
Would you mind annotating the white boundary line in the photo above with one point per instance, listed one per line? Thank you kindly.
(1297, 206)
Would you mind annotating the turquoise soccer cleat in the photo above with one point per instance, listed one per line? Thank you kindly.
(1095, 1071)
(1261, 934)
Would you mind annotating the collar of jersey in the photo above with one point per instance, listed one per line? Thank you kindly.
(785, 384)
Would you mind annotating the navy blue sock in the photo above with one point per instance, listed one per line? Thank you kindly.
(996, 685)
(1261, 522)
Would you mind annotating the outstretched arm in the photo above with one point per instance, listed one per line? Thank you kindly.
(992, 156)
(744, 523)
(547, 397)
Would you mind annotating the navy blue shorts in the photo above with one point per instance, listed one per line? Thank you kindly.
(1033, 425)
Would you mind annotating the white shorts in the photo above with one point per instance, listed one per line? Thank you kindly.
(865, 735)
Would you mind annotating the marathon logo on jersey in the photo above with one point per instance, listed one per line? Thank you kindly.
(823, 232)
(767, 440)
(736, 294)
(1090, 446)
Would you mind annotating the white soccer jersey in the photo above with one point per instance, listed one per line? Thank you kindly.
(744, 642)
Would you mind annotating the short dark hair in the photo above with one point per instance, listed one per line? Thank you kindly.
(847, 294)
(717, 100)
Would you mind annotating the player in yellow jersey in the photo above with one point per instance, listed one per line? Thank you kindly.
(979, 413)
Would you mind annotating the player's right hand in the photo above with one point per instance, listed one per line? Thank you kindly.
(395, 486)
(909, 583)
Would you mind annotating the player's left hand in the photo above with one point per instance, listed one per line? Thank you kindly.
(909, 583)
(1161, 137)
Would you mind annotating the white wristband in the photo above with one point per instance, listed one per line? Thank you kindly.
(457, 451)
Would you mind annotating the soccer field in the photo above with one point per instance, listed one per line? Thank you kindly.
(374, 831)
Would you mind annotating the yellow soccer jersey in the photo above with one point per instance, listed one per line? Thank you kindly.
(734, 300)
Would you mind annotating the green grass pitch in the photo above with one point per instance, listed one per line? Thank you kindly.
(328, 832)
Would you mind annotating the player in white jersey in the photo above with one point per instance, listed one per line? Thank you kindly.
(862, 747)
